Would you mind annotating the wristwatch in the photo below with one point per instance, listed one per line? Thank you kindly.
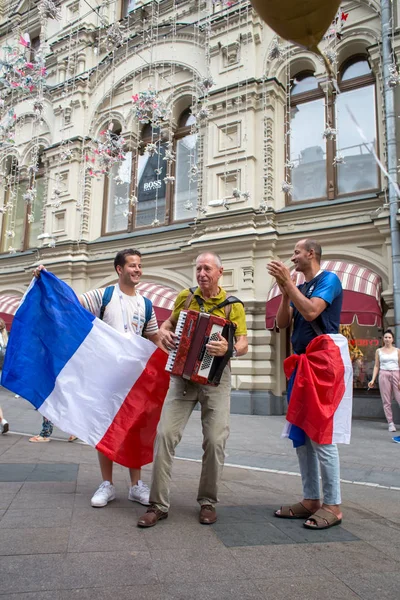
(234, 352)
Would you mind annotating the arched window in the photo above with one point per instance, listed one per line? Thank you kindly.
(22, 204)
(117, 191)
(359, 170)
(306, 144)
(186, 169)
(327, 156)
(157, 184)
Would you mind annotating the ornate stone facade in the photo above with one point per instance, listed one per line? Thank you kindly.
(173, 45)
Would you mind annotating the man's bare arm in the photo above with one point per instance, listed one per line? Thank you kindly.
(241, 345)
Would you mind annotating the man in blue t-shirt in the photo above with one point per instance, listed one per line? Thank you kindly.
(315, 309)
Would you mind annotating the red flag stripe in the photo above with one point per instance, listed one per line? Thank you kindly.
(129, 439)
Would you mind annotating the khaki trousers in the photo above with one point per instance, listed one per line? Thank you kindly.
(215, 410)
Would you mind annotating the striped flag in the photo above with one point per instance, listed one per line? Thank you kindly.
(88, 379)
(321, 392)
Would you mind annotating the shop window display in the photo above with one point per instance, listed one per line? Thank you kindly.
(363, 343)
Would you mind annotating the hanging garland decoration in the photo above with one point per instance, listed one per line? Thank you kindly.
(18, 72)
(106, 152)
(48, 10)
(149, 107)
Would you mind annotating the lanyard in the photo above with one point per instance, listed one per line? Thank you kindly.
(124, 311)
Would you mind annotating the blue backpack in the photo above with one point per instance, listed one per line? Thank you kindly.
(108, 292)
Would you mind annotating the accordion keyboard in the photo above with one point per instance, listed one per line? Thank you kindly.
(178, 332)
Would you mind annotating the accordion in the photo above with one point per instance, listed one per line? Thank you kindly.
(190, 359)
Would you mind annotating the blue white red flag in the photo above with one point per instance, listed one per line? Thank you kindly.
(88, 379)
(321, 392)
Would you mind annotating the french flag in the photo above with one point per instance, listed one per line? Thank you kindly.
(88, 379)
(320, 392)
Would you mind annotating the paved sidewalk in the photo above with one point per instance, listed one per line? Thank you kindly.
(53, 545)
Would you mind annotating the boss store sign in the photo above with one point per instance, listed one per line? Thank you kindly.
(151, 183)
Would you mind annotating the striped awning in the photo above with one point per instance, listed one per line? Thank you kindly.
(8, 307)
(162, 297)
(361, 294)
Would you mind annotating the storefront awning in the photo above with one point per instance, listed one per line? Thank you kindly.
(8, 307)
(162, 297)
(361, 294)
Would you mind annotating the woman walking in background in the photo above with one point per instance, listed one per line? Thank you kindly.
(387, 364)
(4, 426)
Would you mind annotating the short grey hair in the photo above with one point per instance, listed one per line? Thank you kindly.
(217, 258)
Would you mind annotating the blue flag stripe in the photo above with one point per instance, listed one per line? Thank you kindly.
(47, 329)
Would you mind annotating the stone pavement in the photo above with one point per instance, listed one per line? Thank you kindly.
(53, 545)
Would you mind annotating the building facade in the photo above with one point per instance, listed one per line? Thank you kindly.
(178, 126)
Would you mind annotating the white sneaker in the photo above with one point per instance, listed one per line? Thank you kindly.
(103, 495)
(4, 426)
(139, 493)
(392, 427)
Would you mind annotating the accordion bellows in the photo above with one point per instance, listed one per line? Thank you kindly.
(190, 358)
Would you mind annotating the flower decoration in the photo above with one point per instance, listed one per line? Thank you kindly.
(30, 195)
(66, 154)
(202, 114)
(155, 223)
(148, 107)
(105, 153)
(331, 55)
(19, 74)
(151, 149)
(275, 51)
(188, 205)
(207, 84)
(48, 10)
(236, 193)
(289, 164)
(169, 179)
(287, 187)
(394, 76)
(7, 128)
(38, 107)
(114, 36)
(329, 133)
(338, 160)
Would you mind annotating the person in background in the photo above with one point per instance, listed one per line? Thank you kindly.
(387, 365)
(4, 426)
(46, 433)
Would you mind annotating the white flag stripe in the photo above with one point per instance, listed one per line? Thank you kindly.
(85, 388)
(342, 417)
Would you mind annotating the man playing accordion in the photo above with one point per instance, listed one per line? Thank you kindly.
(184, 394)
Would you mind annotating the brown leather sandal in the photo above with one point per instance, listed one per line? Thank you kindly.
(295, 511)
(323, 519)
